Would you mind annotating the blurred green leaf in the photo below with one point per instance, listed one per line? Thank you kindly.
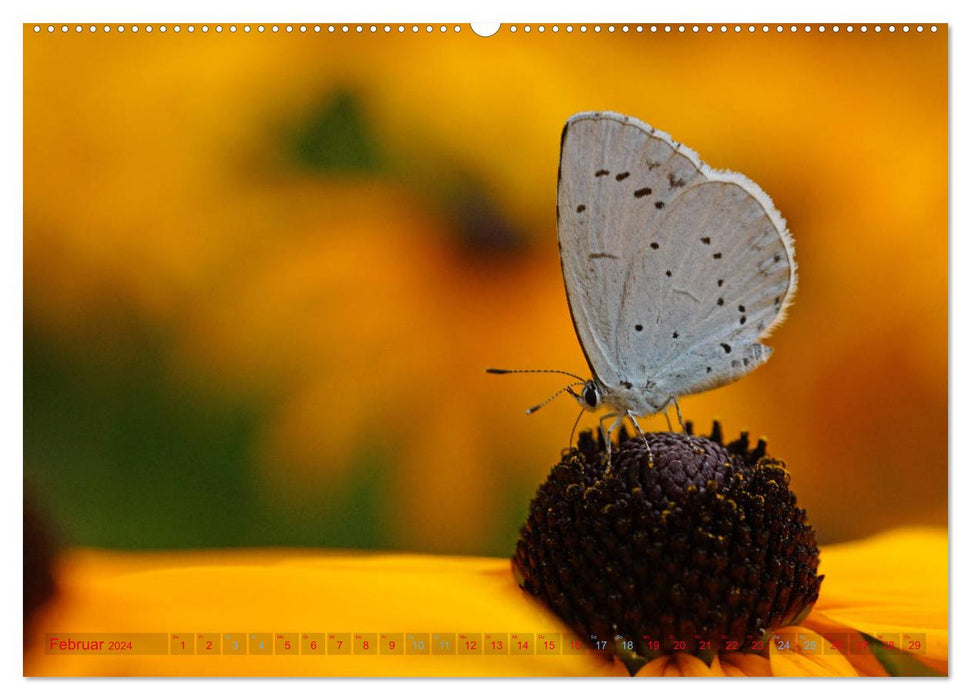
(899, 663)
(335, 138)
(120, 456)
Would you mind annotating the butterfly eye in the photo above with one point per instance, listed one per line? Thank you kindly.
(591, 395)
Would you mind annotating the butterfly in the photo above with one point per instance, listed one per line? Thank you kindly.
(674, 271)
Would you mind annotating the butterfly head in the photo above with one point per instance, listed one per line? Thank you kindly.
(590, 397)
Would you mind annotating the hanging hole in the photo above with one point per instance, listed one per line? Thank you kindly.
(485, 28)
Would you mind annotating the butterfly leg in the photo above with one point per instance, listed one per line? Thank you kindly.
(677, 408)
(668, 419)
(637, 427)
(605, 433)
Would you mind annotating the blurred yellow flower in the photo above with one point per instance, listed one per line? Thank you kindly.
(896, 582)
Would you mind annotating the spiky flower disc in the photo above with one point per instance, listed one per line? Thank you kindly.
(690, 545)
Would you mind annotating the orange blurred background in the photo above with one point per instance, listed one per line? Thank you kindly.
(263, 274)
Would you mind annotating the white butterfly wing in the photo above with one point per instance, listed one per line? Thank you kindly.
(610, 170)
(666, 262)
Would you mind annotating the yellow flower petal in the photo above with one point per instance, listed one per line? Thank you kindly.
(295, 592)
(794, 662)
(678, 666)
(655, 668)
(720, 669)
(689, 665)
(894, 583)
(854, 645)
(736, 664)
(672, 670)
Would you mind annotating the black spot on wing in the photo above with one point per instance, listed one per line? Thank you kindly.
(721, 282)
(721, 302)
(706, 240)
(638, 328)
(726, 347)
(643, 192)
(667, 272)
(674, 335)
(659, 205)
(741, 307)
(622, 176)
(601, 173)
(675, 182)
(597, 256)
(581, 208)
(654, 245)
(742, 321)
(717, 256)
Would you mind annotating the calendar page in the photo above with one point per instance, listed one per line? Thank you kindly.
(516, 349)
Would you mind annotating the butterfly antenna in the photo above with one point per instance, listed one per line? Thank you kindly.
(534, 371)
(575, 424)
(567, 388)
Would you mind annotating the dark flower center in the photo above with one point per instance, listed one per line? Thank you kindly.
(691, 545)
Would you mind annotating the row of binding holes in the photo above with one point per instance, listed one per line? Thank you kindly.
(724, 28)
(258, 28)
(428, 28)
